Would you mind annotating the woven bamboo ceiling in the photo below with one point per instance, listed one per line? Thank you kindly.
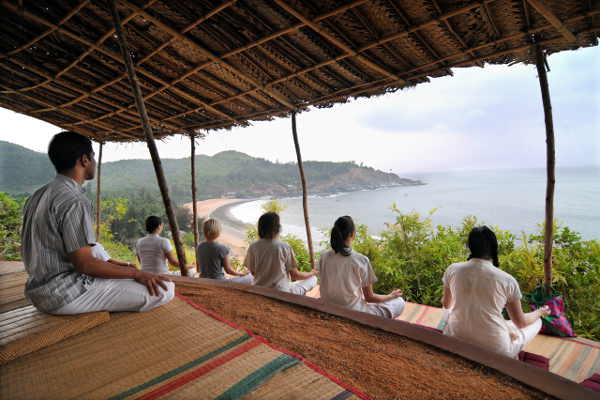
(209, 64)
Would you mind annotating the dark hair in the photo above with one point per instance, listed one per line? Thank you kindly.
(152, 222)
(342, 229)
(66, 148)
(268, 225)
(483, 244)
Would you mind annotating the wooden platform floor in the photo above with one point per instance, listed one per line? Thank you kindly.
(574, 359)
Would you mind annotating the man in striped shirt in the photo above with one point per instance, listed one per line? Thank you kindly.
(56, 239)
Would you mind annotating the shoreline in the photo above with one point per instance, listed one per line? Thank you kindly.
(233, 233)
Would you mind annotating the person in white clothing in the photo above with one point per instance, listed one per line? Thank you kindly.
(347, 277)
(100, 253)
(476, 292)
(154, 251)
(273, 263)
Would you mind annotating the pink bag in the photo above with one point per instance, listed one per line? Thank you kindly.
(556, 323)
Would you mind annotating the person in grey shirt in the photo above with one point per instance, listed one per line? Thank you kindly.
(213, 257)
(56, 238)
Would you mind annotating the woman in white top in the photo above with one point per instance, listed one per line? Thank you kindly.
(154, 251)
(272, 262)
(347, 276)
(476, 291)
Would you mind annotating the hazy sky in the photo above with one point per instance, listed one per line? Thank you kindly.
(478, 119)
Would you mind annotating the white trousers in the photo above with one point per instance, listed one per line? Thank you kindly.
(524, 336)
(246, 279)
(303, 286)
(117, 295)
(389, 309)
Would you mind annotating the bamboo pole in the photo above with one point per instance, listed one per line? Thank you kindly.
(550, 165)
(194, 205)
(304, 192)
(98, 205)
(160, 175)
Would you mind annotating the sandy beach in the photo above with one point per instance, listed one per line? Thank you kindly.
(233, 234)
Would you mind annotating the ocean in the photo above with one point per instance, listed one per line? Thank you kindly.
(510, 199)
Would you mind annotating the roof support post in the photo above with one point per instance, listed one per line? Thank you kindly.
(160, 175)
(194, 205)
(550, 165)
(304, 192)
(98, 204)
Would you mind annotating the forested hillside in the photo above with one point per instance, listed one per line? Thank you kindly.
(227, 174)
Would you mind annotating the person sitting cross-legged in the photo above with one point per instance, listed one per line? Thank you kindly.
(213, 257)
(272, 261)
(154, 251)
(347, 276)
(476, 291)
(64, 276)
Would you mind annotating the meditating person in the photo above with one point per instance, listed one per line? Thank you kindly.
(213, 257)
(154, 251)
(100, 253)
(476, 291)
(64, 276)
(347, 277)
(273, 263)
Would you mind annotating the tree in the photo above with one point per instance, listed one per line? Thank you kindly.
(10, 228)
(273, 206)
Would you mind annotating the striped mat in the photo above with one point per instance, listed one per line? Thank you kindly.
(573, 358)
(176, 351)
(25, 330)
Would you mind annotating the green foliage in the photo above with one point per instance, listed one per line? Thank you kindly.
(299, 248)
(273, 206)
(10, 227)
(119, 251)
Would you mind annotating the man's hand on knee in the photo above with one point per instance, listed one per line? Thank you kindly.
(152, 282)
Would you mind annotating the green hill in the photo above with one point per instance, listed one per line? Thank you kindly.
(23, 170)
(226, 174)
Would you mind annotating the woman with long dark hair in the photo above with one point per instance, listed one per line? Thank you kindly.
(272, 262)
(347, 276)
(476, 291)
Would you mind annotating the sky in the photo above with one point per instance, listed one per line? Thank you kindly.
(490, 118)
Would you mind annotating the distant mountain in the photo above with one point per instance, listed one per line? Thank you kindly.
(226, 174)
(23, 170)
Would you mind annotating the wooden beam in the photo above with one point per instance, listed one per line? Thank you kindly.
(121, 109)
(156, 162)
(207, 53)
(112, 55)
(194, 205)
(407, 74)
(342, 46)
(432, 52)
(98, 188)
(543, 9)
(33, 41)
(450, 29)
(304, 193)
(540, 63)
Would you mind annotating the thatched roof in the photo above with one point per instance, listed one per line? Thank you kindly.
(211, 64)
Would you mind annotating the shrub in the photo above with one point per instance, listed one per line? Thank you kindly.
(10, 227)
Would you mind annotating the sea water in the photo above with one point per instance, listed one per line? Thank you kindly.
(513, 200)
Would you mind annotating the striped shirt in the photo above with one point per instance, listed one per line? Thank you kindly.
(56, 222)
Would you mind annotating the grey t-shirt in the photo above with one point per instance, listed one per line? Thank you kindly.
(210, 258)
